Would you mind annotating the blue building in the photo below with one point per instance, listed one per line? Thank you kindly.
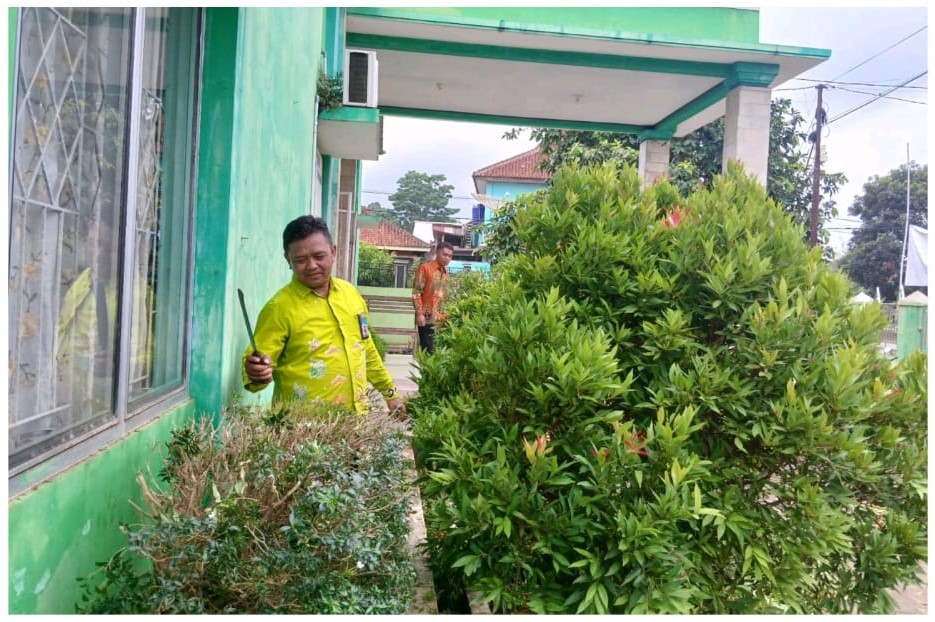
(504, 181)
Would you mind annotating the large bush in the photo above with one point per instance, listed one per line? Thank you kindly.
(293, 511)
(666, 405)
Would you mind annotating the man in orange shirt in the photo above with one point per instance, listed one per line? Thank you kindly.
(428, 292)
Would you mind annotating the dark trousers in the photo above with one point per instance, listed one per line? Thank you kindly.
(427, 338)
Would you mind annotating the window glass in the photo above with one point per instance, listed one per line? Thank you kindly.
(163, 187)
(82, 220)
(68, 175)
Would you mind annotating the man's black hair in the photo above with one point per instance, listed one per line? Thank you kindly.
(444, 245)
(301, 228)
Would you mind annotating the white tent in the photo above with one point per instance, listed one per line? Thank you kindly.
(861, 299)
(915, 298)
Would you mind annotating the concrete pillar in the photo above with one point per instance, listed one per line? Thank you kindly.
(746, 130)
(654, 160)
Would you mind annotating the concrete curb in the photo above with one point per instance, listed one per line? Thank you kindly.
(478, 606)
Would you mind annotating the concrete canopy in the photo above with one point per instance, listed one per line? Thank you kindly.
(655, 72)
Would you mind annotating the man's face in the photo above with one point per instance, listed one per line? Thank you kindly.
(444, 257)
(311, 260)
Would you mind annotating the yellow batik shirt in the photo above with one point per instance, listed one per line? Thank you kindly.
(318, 348)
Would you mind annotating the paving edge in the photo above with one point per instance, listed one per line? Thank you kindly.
(478, 605)
(425, 600)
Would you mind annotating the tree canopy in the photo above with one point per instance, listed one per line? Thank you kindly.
(873, 255)
(420, 196)
(696, 159)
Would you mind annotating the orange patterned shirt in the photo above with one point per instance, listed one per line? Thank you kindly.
(428, 291)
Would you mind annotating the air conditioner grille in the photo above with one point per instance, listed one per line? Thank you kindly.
(357, 78)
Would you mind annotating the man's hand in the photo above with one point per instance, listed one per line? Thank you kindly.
(397, 408)
(420, 318)
(259, 368)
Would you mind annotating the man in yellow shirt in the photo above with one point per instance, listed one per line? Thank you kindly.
(312, 336)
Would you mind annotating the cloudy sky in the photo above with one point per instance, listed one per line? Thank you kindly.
(873, 50)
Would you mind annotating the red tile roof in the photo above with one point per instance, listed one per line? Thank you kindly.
(522, 167)
(388, 235)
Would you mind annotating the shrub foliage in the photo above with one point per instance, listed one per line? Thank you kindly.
(666, 405)
(291, 511)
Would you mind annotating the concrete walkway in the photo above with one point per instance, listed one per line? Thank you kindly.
(403, 368)
(913, 599)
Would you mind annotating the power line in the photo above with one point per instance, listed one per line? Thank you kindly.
(873, 99)
(796, 88)
(881, 52)
(386, 192)
(878, 83)
(840, 88)
(899, 99)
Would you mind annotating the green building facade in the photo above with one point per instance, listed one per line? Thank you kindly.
(157, 153)
(219, 106)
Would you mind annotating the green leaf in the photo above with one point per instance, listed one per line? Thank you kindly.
(470, 563)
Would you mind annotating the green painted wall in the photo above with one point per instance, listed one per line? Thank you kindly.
(737, 26)
(258, 149)
(387, 319)
(911, 328)
(60, 529)
(257, 146)
(383, 319)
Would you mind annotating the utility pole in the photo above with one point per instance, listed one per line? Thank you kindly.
(902, 256)
(816, 176)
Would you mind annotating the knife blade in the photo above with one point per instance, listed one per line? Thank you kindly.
(246, 319)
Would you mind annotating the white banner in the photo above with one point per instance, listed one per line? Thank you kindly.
(917, 259)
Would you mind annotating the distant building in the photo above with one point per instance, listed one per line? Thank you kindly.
(407, 250)
(458, 235)
(505, 181)
(393, 239)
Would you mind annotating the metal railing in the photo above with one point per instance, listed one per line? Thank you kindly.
(891, 310)
(385, 275)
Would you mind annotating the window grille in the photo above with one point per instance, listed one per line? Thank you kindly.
(100, 213)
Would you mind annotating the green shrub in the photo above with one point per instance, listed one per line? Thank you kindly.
(666, 405)
(374, 266)
(292, 511)
(380, 344)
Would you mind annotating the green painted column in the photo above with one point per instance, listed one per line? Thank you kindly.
(334, 40)
(212, 224)
(330, 180)
(911, 327)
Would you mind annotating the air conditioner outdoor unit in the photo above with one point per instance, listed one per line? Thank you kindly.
(360, 78)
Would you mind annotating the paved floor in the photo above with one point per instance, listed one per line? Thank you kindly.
(403, 367)
(911, 600)
(914, 599)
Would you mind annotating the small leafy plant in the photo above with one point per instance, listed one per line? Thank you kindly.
(667, 405)
(295, 510)
(330, 91)
(380, 344)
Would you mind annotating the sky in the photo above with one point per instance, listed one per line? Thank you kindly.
(872, 50)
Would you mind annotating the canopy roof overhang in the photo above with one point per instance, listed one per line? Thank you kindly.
(440, 66)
